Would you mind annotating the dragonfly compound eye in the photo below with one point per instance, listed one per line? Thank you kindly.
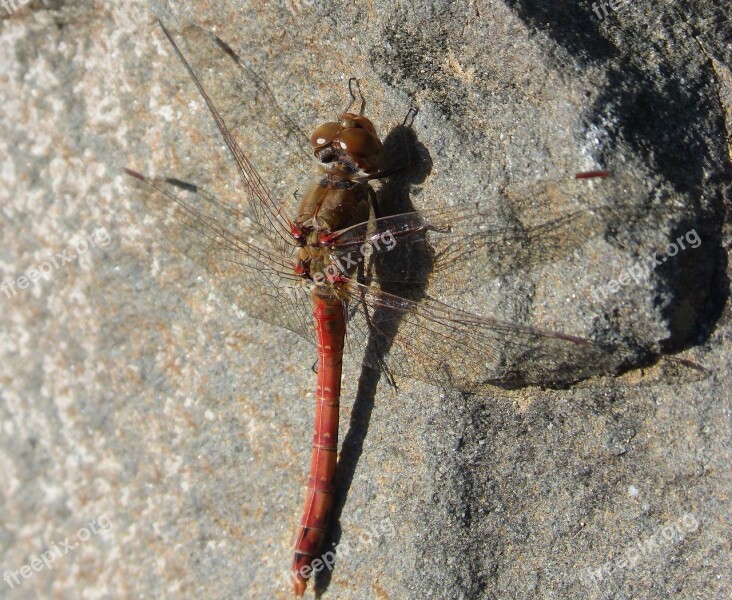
(363, 147)
(324, 135)
(349, 120)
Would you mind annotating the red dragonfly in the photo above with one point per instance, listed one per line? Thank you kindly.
(344, 270)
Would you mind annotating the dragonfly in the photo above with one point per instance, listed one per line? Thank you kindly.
(351, 278)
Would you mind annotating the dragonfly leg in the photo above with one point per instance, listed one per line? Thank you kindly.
(351, 81)
(383, 368)
(374, 201)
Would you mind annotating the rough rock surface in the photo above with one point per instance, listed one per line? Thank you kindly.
(134, 396)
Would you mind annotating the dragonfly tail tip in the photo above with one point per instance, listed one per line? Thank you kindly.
(299, 586)
(592, 174)
(134, 174)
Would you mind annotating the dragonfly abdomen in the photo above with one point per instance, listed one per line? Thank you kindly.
(330, 325)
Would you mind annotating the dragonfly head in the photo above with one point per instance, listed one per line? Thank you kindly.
(352, 141)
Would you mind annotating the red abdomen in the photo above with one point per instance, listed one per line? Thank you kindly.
(330, 325)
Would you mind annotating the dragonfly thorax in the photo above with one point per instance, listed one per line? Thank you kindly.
(316, 264)
(331, 204)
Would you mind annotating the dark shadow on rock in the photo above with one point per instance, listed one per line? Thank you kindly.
(394, 198)
(691, 314)
(660, 98)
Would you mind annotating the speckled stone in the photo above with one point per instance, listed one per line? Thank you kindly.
(165, 435)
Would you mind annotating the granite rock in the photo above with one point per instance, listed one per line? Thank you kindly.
(164, 434)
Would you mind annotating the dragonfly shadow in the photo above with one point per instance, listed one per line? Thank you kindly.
(394, 198)
(667, 112)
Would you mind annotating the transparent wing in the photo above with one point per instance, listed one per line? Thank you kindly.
(243, 77)
(267, 212)
(407, 332)
(251, 272)
(462, 237)
(442, 345)
(410, 334)
(518, 231)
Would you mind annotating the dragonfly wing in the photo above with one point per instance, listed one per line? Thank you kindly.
(427, 340)
(267, 211)
(244, 77)
(461, 241)
(250, 272)
(519, 232)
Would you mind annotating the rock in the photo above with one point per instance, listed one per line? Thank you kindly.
(166, 434)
